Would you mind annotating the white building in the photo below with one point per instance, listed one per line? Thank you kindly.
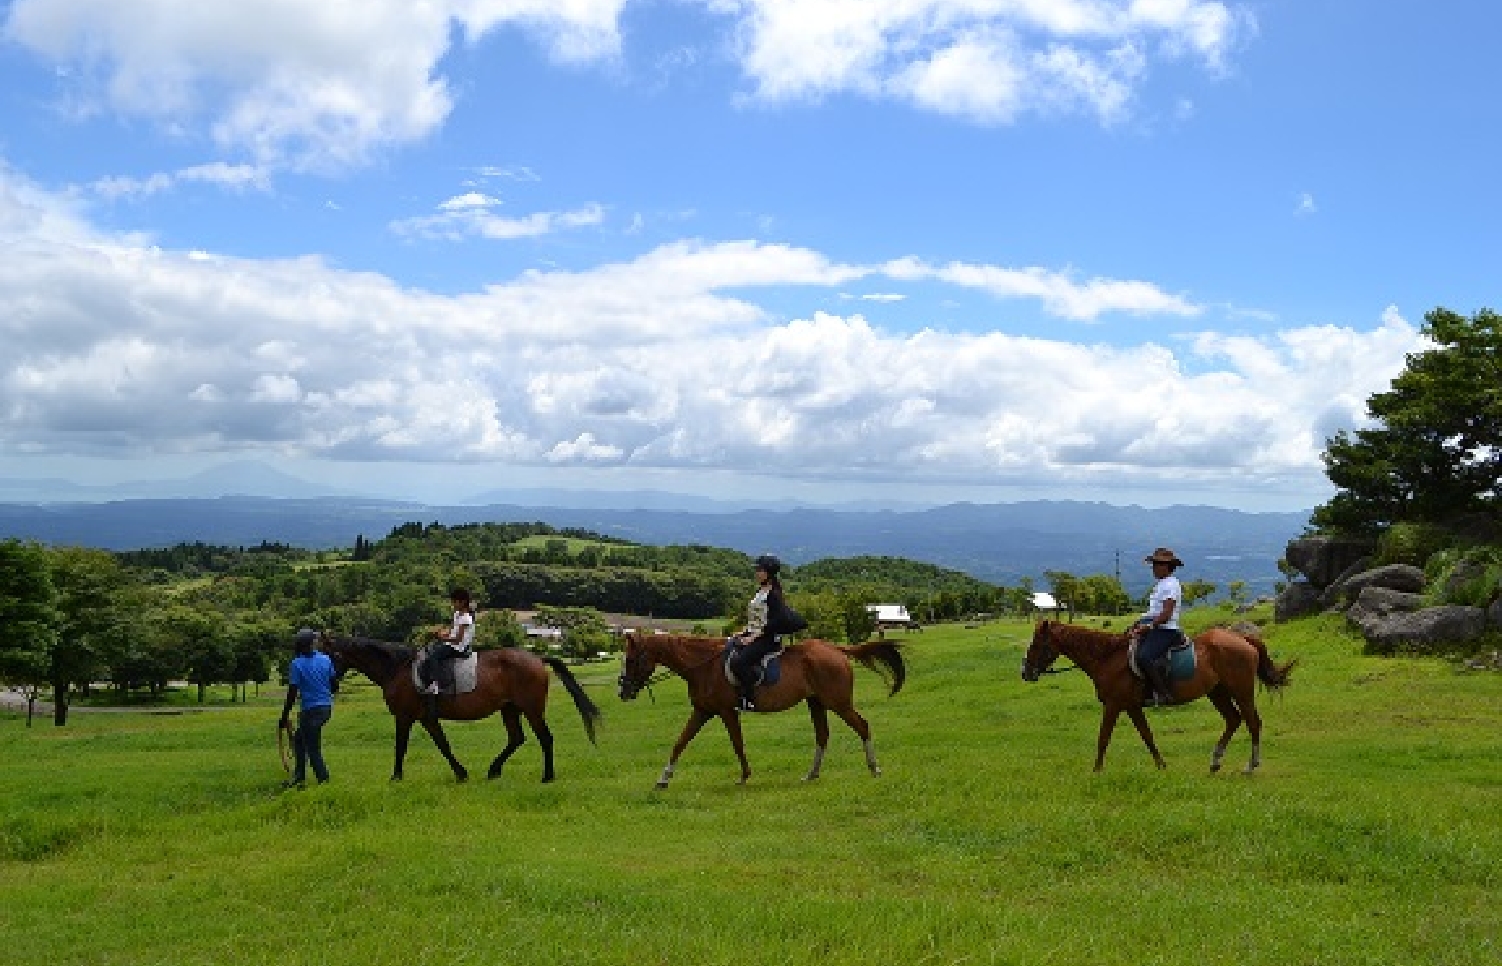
(890, 615)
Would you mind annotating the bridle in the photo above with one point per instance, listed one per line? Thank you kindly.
(1047, 657)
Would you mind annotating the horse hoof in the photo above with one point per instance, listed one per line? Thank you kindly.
(396, 778)
(661, 785)
(1214, 767)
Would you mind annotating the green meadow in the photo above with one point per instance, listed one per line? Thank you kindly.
(1371, 835)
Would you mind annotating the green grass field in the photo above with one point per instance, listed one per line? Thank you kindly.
(1371, 835)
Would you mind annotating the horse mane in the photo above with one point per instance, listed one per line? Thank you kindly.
(389, 656)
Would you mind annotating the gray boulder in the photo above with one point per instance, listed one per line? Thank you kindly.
(1376, 604)
(1494, 613)
(1334, 595)
(1322, 559)
(1402, 577)
(1296, 600)
(1423, 630)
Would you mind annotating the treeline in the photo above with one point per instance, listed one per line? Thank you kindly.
(72, 619)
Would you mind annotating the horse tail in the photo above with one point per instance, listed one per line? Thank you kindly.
(883, 657)
(588, 710)
(1274, 677)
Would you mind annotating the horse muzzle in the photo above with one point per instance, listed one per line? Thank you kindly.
(627, 688)
(1029, 673)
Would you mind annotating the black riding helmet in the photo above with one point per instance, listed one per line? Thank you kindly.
(304, 640)
(769, 563)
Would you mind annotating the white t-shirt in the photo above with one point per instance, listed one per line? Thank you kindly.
(462, 634)
(1165, 590)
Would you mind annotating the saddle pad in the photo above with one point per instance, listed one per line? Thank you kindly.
(466, 672)
(1181, 660)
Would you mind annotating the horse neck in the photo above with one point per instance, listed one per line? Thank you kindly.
(683, 655)
(372, 662)
(1085, 647)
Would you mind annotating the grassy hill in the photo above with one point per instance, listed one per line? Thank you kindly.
(1368, 837)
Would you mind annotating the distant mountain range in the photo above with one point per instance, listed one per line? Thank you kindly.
(996, 542)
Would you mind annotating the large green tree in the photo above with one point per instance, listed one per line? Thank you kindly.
(27, 618)
(1435, 447)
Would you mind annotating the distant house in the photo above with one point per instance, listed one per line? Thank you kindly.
(890, 615)
(545, 633)
(1045, 603)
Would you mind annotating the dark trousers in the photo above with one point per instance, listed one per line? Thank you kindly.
(1155, 644)
(307, 743)
(743, 665)
(433, 666)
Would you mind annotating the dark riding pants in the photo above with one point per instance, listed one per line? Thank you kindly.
(743, 665)
(307, 743)
(438, 655)
(1154, 645)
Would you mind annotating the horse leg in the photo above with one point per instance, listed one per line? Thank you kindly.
(1221, 698)
(1143, 728)
(544, 738)
(853, 718)
(435, 730)
(821, 736)
(515, 738)
(403, 734)
(733, 728)
(1248, 706)
(696, 719)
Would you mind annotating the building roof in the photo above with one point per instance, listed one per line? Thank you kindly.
(890, 613)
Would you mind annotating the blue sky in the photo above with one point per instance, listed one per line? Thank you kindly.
(1140, 251)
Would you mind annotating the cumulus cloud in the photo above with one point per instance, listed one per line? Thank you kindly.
(663, 361)
(987, 60)
(320, 86)
(298, 82)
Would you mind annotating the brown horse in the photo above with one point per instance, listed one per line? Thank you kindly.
(813, 671)
(1227, 667)
(509, 680)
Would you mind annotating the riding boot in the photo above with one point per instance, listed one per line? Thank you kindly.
(1161, 684)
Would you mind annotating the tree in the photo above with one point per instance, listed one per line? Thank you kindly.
(88, 585)
(1435, 450)
(27, 618)
(1197, 590)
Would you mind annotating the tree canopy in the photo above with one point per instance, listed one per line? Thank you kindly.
(1434, 450)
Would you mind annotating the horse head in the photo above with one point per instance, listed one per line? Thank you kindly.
(636, 668)
(1040, 653)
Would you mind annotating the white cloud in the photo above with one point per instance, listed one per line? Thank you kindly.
(302, 82)
(1059, 292)
(316, 85)
(1305, 205)
(663, 361)
(469, 216)
(235, 176)
(983, 59)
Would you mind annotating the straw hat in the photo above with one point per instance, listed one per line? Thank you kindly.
(1163, 555)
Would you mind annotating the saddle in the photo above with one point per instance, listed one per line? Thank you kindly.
(457, 676)
(1180, 659)
(766, 673)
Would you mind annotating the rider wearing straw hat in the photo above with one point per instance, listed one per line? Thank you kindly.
(1158, 629)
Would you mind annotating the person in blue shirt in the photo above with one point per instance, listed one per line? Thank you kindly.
(310, 676)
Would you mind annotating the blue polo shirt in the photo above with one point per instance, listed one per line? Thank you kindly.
(313, 675)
